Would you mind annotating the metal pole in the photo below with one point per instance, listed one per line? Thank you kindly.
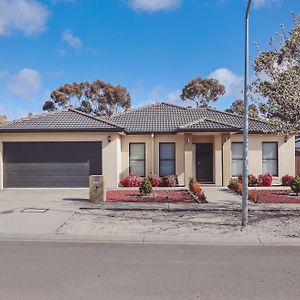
(246, 123)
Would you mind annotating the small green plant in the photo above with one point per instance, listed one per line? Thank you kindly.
(146, 187)
(295, 185)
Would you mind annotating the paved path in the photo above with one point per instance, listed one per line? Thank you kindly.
(46, 270)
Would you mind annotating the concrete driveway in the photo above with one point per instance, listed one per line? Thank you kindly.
(38, 211)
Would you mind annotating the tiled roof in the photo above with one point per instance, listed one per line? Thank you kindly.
(165, 117)
(60, 120)
(155, 118)
(205, 125)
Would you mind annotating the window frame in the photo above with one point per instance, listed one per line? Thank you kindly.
(167, 143)
(270, 159)
(240, 159)
(144, 160)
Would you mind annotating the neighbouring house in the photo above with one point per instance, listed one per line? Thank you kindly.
(297, 155)
(62, 148)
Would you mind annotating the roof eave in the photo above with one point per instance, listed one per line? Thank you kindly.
(61, 130)
(207, 130)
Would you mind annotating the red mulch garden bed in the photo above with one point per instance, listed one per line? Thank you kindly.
(273, 196)
(157, 196)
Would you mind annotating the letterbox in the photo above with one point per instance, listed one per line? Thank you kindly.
(97, 189)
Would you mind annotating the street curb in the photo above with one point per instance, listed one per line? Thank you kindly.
(202, 209)
(144, 240)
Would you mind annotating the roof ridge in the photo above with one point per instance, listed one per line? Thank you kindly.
(236, 115)
(131, 109)
(208, 119)
(223, 123)
(94, 117)
(191, 123)
(173, 104)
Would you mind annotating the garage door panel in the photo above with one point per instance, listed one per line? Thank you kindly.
(43, 181)
(49, 169)
(51, 164)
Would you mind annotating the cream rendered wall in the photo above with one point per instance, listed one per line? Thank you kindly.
(218, 176)
(110, 151)
(286, 153)
(189, 156)
(194, 160)
(226, 155)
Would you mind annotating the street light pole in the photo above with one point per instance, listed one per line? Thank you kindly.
(246, 123)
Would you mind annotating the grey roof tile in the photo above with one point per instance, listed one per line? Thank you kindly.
(155, 118)
(206, 125)
(165, 117)
(60, 120)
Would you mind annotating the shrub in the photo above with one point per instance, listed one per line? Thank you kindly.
(192, 180)
(265, 179)
(197, 190)
(252, 180)
(155, 180)
(131, 180)
(233, 184)
(295, 185)
(287, 180)
(253, 196)
(168, 181)
(146, 187)
(239, 190)
(240, 178)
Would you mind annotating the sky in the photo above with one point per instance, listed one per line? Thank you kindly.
(152, 47)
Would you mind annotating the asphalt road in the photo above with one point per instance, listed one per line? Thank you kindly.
(64, 270)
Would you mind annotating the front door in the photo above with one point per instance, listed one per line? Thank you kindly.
(204, 162)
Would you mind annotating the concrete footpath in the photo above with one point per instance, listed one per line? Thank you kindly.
(66, 214)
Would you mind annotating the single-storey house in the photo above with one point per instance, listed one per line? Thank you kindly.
(62, 148)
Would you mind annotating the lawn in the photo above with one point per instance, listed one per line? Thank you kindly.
(273, 196)
(157, 196)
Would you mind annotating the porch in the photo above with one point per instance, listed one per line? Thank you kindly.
(207, 157)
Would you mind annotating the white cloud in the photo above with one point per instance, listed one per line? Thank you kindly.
(71, 39)
(27, 16)
(232, 82)
(174, 97)
(154, 5)
(260, 3)
(26, 84)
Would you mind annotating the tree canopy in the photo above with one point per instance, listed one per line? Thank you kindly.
(237, 107)
(277, 79)
(97, 98)
(203, 91)
(3, 120)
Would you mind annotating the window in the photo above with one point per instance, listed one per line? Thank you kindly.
(137, 159)
(237, 159)
(167, 159)
(270, 158)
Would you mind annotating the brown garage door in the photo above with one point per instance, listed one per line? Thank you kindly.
(49, 164)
